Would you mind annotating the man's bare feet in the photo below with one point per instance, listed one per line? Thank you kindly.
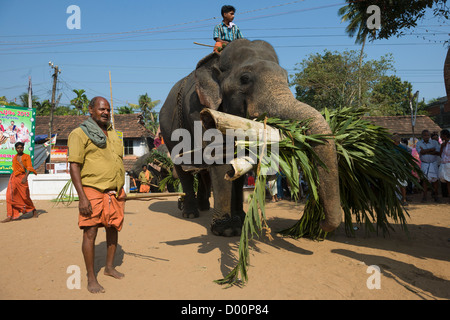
(95, 287)
(111, 271)
(7, 220)
(35, 214)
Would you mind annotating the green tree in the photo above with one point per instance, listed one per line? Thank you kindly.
(390, 97)
(395, 16)
(331, 79)
(125, 110)
(65, 111)
(24, 100)
(81, 102)
(150, 117)
(4, 101)
(356, 25)
(43, 108)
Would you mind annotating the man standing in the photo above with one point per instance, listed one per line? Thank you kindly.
(145, 177)
(98, 175)
(428, 150)
(444, 169)
(18, 193)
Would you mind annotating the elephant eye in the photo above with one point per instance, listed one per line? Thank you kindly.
(245, 78)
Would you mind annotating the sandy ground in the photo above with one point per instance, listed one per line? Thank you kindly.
(165, 256)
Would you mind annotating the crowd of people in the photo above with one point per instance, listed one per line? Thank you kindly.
(432, 153)
(434, 156)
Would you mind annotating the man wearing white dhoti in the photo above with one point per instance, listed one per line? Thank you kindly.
(429, 150)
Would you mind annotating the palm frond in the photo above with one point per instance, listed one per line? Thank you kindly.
(370, 170)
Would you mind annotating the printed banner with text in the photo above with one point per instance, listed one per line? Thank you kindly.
(16, 124)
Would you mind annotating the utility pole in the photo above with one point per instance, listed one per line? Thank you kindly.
(52, 108)
(112, 108)
(413, 98)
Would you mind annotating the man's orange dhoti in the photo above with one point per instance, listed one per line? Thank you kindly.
(18, 197)
(107, 210)
(145, 188)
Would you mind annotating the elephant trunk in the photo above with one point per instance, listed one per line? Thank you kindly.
(287, 107)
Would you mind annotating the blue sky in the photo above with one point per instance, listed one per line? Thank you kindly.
(148, 45)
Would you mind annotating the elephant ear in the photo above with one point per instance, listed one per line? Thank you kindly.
(207, 81)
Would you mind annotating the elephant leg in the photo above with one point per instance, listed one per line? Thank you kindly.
(225, 222)
(190, 209)
(237, 198)
(204, 190)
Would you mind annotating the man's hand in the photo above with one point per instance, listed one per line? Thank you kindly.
(84, 206)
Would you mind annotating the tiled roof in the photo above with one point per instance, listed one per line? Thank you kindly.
(402, 124)
(129, 124)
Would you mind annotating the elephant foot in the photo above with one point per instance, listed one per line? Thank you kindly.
(227, 227)
(191, 214)
(203, 205)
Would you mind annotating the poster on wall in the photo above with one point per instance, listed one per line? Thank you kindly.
(16, 124)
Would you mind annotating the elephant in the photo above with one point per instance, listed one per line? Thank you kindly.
(245, 80)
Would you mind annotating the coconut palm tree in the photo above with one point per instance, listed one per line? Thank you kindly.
(355, 14)
(150, 117)
(81, 101)
(24, 100)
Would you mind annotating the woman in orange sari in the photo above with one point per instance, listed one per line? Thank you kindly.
(18, 193)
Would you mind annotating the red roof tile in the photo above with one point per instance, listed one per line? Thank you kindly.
(402, 124)
(129, 124)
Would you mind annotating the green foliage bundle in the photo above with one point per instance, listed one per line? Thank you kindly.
(165, 162)
(370, 170)
(294, 152)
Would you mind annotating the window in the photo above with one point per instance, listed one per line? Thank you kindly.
(128, 146)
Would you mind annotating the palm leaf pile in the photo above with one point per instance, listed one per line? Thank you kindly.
(165, 163)
(294, 153)
(67, 194)
(370, 167)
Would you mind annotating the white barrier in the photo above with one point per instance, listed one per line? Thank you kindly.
(46, 186)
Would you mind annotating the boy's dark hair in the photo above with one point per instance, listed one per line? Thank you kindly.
(19, 144)
(445, 132)
(226, 9)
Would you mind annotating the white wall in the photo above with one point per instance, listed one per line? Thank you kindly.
(46, 186)
(140, 147)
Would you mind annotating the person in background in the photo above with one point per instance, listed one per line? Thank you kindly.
(403, 184)
(18, 198)
(226, 31)
(428, 150)
(444, 169)
(145, 177)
